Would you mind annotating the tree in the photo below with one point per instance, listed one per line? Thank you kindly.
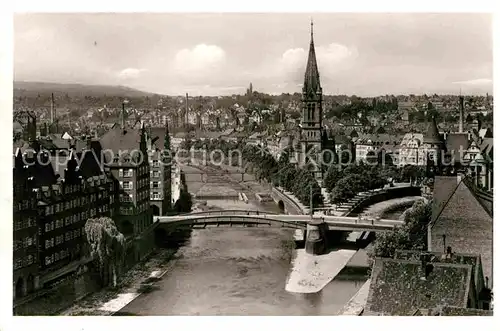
(343, 191)
(333, 175)
(107, 248)
(184, 203)
(412, 235)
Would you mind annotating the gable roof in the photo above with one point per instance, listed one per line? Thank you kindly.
(117, 139)
(456, 142)
(444, 188)
(393, 281)
(432, 136)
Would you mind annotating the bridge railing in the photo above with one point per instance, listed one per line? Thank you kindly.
(230, 212)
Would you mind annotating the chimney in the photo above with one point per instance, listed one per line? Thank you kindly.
(444, 243)
(52, 111)
(426, 268)
(122, 117)
(449, 253)
(461, 109)
(187, 111)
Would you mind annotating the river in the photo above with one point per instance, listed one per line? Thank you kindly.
(238, 271)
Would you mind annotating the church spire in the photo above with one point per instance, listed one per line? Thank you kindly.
(311, 79)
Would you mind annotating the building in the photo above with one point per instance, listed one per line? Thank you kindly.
(25, 234)
(125, 153)
(160, 160)
(462, 218)
(313, 138)
(374, 145)
(68, 189)
(422, 280)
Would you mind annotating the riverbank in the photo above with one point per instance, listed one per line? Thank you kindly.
(137, 280)
(311, 273)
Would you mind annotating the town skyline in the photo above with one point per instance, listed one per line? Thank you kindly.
(356, 54)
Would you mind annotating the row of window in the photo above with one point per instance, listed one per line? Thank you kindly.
(84, 215)
(24, 242)
(127, 210)
(73, 203)
(57, 240)
(25, 204)
(154, 184)
(127, 185)
(49, 259)
(141, 207)
(142, 195)
(125, 197)
(126, 173)
(23, 262)
(156, 196)
(24, 222)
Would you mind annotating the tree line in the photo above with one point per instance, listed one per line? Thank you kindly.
(258, 160)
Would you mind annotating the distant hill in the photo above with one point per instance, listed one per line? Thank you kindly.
(30, 89)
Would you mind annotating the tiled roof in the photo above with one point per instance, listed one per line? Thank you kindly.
(342, 140)
(444, 187)
(452, 311)
(460, 311)
(474, 260)
(117, 140)
(398, 289)
(466, 222)
(455, 142)
(432, 136)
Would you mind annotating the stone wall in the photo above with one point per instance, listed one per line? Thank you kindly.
(53, 300)
(392, 193)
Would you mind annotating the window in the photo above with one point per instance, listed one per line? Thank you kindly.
(28, 241)
(156, 174)
(120, 173)
(156, 163)
(128, 185)
(156, 184)
(47, 227)
(129, 173)
(66, 236)
(29, 259)
(48, 260)
(156, 196)
(18, 264)
(56, 256)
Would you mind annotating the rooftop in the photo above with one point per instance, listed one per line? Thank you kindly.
(392, 281)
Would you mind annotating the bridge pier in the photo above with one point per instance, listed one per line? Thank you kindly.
(316, 237)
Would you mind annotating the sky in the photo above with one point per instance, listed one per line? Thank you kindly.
(220, 54)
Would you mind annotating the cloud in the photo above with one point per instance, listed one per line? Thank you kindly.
(475, 82)
(200, 60)
(290, 66)
(129, 73)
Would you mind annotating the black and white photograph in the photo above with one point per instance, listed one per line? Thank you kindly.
(252, 164)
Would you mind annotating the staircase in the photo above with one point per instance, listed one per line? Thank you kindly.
(347, 206)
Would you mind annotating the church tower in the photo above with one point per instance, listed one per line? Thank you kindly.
(312, 115)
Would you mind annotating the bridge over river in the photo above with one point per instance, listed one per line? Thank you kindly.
(252, 218)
